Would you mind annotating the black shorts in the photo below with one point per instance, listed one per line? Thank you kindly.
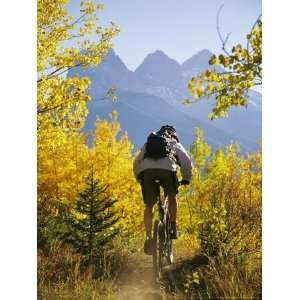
(168, 180)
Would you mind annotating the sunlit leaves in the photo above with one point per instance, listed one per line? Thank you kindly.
(231, 204)
(199, 149)
(65, 155)
(64, 160)
(241, 70)
(62, 101)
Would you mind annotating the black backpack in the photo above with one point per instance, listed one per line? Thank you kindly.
(158, 145)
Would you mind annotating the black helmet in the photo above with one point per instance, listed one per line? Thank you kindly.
(170, 130)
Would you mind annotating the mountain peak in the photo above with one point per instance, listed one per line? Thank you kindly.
(204, 52)
(113, 60)
(200, 58)
(112, 52)
(158, 68)
(158, 59)
(196, 64)
(159, 52)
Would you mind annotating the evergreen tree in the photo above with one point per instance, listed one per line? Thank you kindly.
(92, 222)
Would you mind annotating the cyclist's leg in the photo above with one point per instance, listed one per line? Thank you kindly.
(169, 182)
(148, 215)
(149, 191)
(172, 207)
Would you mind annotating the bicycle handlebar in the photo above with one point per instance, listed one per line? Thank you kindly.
(181, 182)
(184, 182)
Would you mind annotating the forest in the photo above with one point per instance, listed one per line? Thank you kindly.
(89, 205)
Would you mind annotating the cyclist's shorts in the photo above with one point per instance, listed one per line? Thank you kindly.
(168, 180)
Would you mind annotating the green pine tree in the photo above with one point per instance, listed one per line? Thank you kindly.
(92, 222)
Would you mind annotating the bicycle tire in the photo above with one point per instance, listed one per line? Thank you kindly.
(161, 240)
(155, 248)
(169, 257)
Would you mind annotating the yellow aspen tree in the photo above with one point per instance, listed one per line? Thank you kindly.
(112, 160)
(62, 101)
(231, 75)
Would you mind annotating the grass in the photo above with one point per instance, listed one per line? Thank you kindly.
(127, 275)
(212, 278)
(83, 289)
(62, 275)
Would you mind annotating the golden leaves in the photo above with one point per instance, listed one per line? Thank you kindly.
(241, 70)
(62, 101)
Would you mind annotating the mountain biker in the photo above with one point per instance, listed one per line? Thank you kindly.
(147, 170)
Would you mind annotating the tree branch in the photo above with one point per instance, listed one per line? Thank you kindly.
(47, 109)
(258, 18)
(54, 73)
(223, 41)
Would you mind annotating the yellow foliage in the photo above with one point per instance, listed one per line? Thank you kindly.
(112, 157)
(222, 206)
(224, 197)
(62, 101)
(64, 161)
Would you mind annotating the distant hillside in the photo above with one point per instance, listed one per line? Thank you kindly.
(141, 113)
(152, 96)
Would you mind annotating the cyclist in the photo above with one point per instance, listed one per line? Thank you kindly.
(147, 170)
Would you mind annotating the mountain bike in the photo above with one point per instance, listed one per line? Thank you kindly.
(162, 242)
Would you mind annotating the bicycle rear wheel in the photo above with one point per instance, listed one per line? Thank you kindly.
(170, 256)
(169, 244)
(165, 252)
(155, 249)
(161, 242)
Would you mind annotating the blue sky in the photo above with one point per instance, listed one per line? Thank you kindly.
(179, 28)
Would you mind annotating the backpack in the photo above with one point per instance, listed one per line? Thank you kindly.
(158, 145)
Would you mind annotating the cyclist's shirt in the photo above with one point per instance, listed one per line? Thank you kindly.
(140, 163)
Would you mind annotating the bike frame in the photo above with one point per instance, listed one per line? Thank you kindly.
(163, 253)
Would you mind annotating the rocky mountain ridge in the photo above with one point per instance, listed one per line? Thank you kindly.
(152, 95)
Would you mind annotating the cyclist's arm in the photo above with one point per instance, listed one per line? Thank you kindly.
(184, 162)
(137, 161)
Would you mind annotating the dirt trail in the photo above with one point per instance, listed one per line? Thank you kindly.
(138, 283)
